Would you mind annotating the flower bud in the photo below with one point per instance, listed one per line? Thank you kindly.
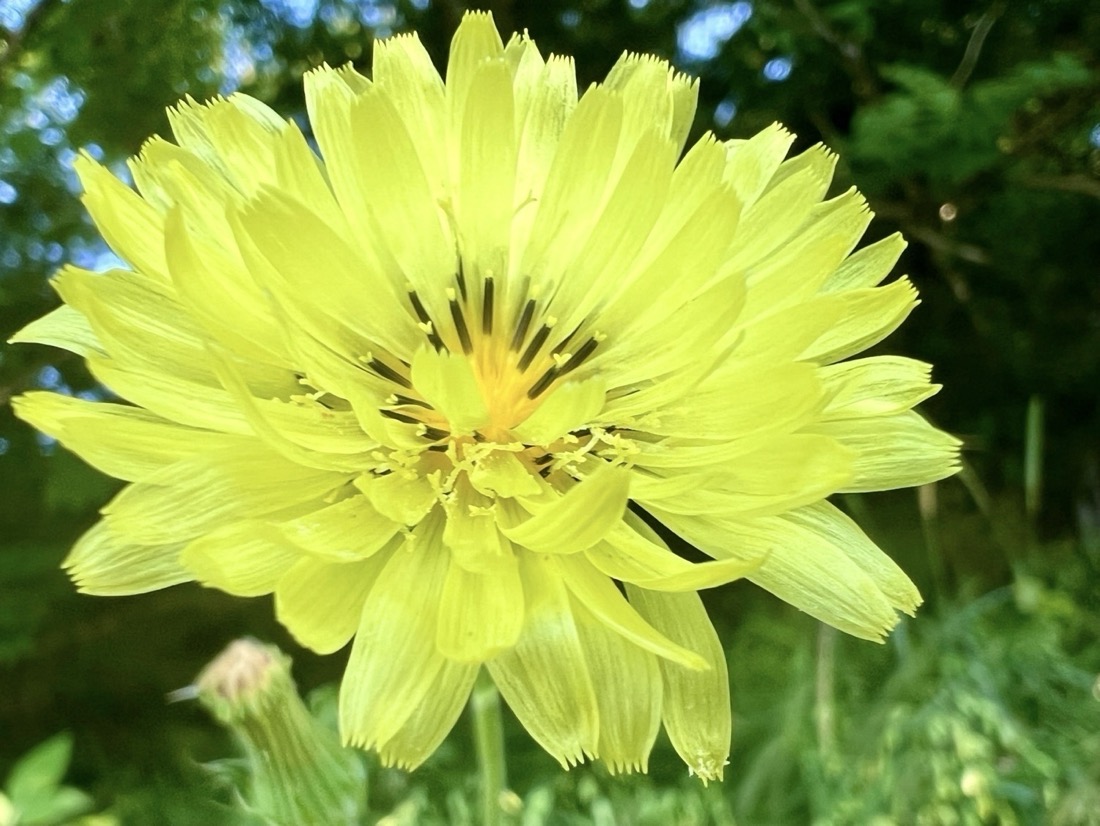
(300, 775)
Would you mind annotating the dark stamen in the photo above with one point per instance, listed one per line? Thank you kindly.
(544, 459)
(487, 308)
(546, 471)
(388, 372)
(544, 381)
(422, 314)
(460, 327)
(439, 448)
(460, 277)
(408, 400)
(399, 417)
(434, 434)
(418, 308)
(578, 357)
(534, 347)
(560, 346)
(524, 323)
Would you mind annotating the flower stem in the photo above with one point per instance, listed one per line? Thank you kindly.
(489, 743)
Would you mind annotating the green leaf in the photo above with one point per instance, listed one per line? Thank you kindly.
(39, 771)
(60, 807)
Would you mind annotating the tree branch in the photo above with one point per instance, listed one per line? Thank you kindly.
(1066, 183)
(974, 47)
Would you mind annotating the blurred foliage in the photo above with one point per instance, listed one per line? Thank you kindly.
(34, 795)
(974, 127)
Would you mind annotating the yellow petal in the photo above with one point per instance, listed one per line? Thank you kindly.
(404, 71)
(577, 180)
(329, 94)
(103, 564)
(405, 227)
(480, 614)
(471, 532)
(487, 168)
(208, 281)
(320, 602)
(290, 245)
(580, 518)
(600, 596)
(748, 400)
(447, 383)
(877, 386)
(775, 218)
(796, 270)
(122, 441)
(891, 580)
(64, 327)
(403, 496)
(141, 323)
(544, 678)
(246, 559)
(810, 569)
(866, 317)
(786, 333)
(300, 173)
(500, 472)
(695, 704)
(894, 451)
(656, 95)
(394, 661)
(431, 721)
(199, 493)
(686, 246)
(550, 99)
(345, 532)
(172, 176)
(627, 682)
(751, 164)
(867, 267)
(279, 431)
(790, 471)
(620, 228)
(241, 133)
(567, 407)
(181, 400)
(129, 225)
(684, 346)
(630, 557)
(476, 40)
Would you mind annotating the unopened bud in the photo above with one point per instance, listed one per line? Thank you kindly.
(300, 774)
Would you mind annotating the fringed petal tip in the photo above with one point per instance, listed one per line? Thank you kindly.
(707, 767)
(393, 760)
(574, 757)
(620, 767)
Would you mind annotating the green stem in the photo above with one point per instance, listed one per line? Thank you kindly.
(489, 742)
(1033, 463)
(825, 701)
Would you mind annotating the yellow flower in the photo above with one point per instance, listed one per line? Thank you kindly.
(412, 386)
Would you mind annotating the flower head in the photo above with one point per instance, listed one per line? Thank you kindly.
(412, 386)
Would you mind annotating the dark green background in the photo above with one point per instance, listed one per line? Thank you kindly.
(972, 127)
